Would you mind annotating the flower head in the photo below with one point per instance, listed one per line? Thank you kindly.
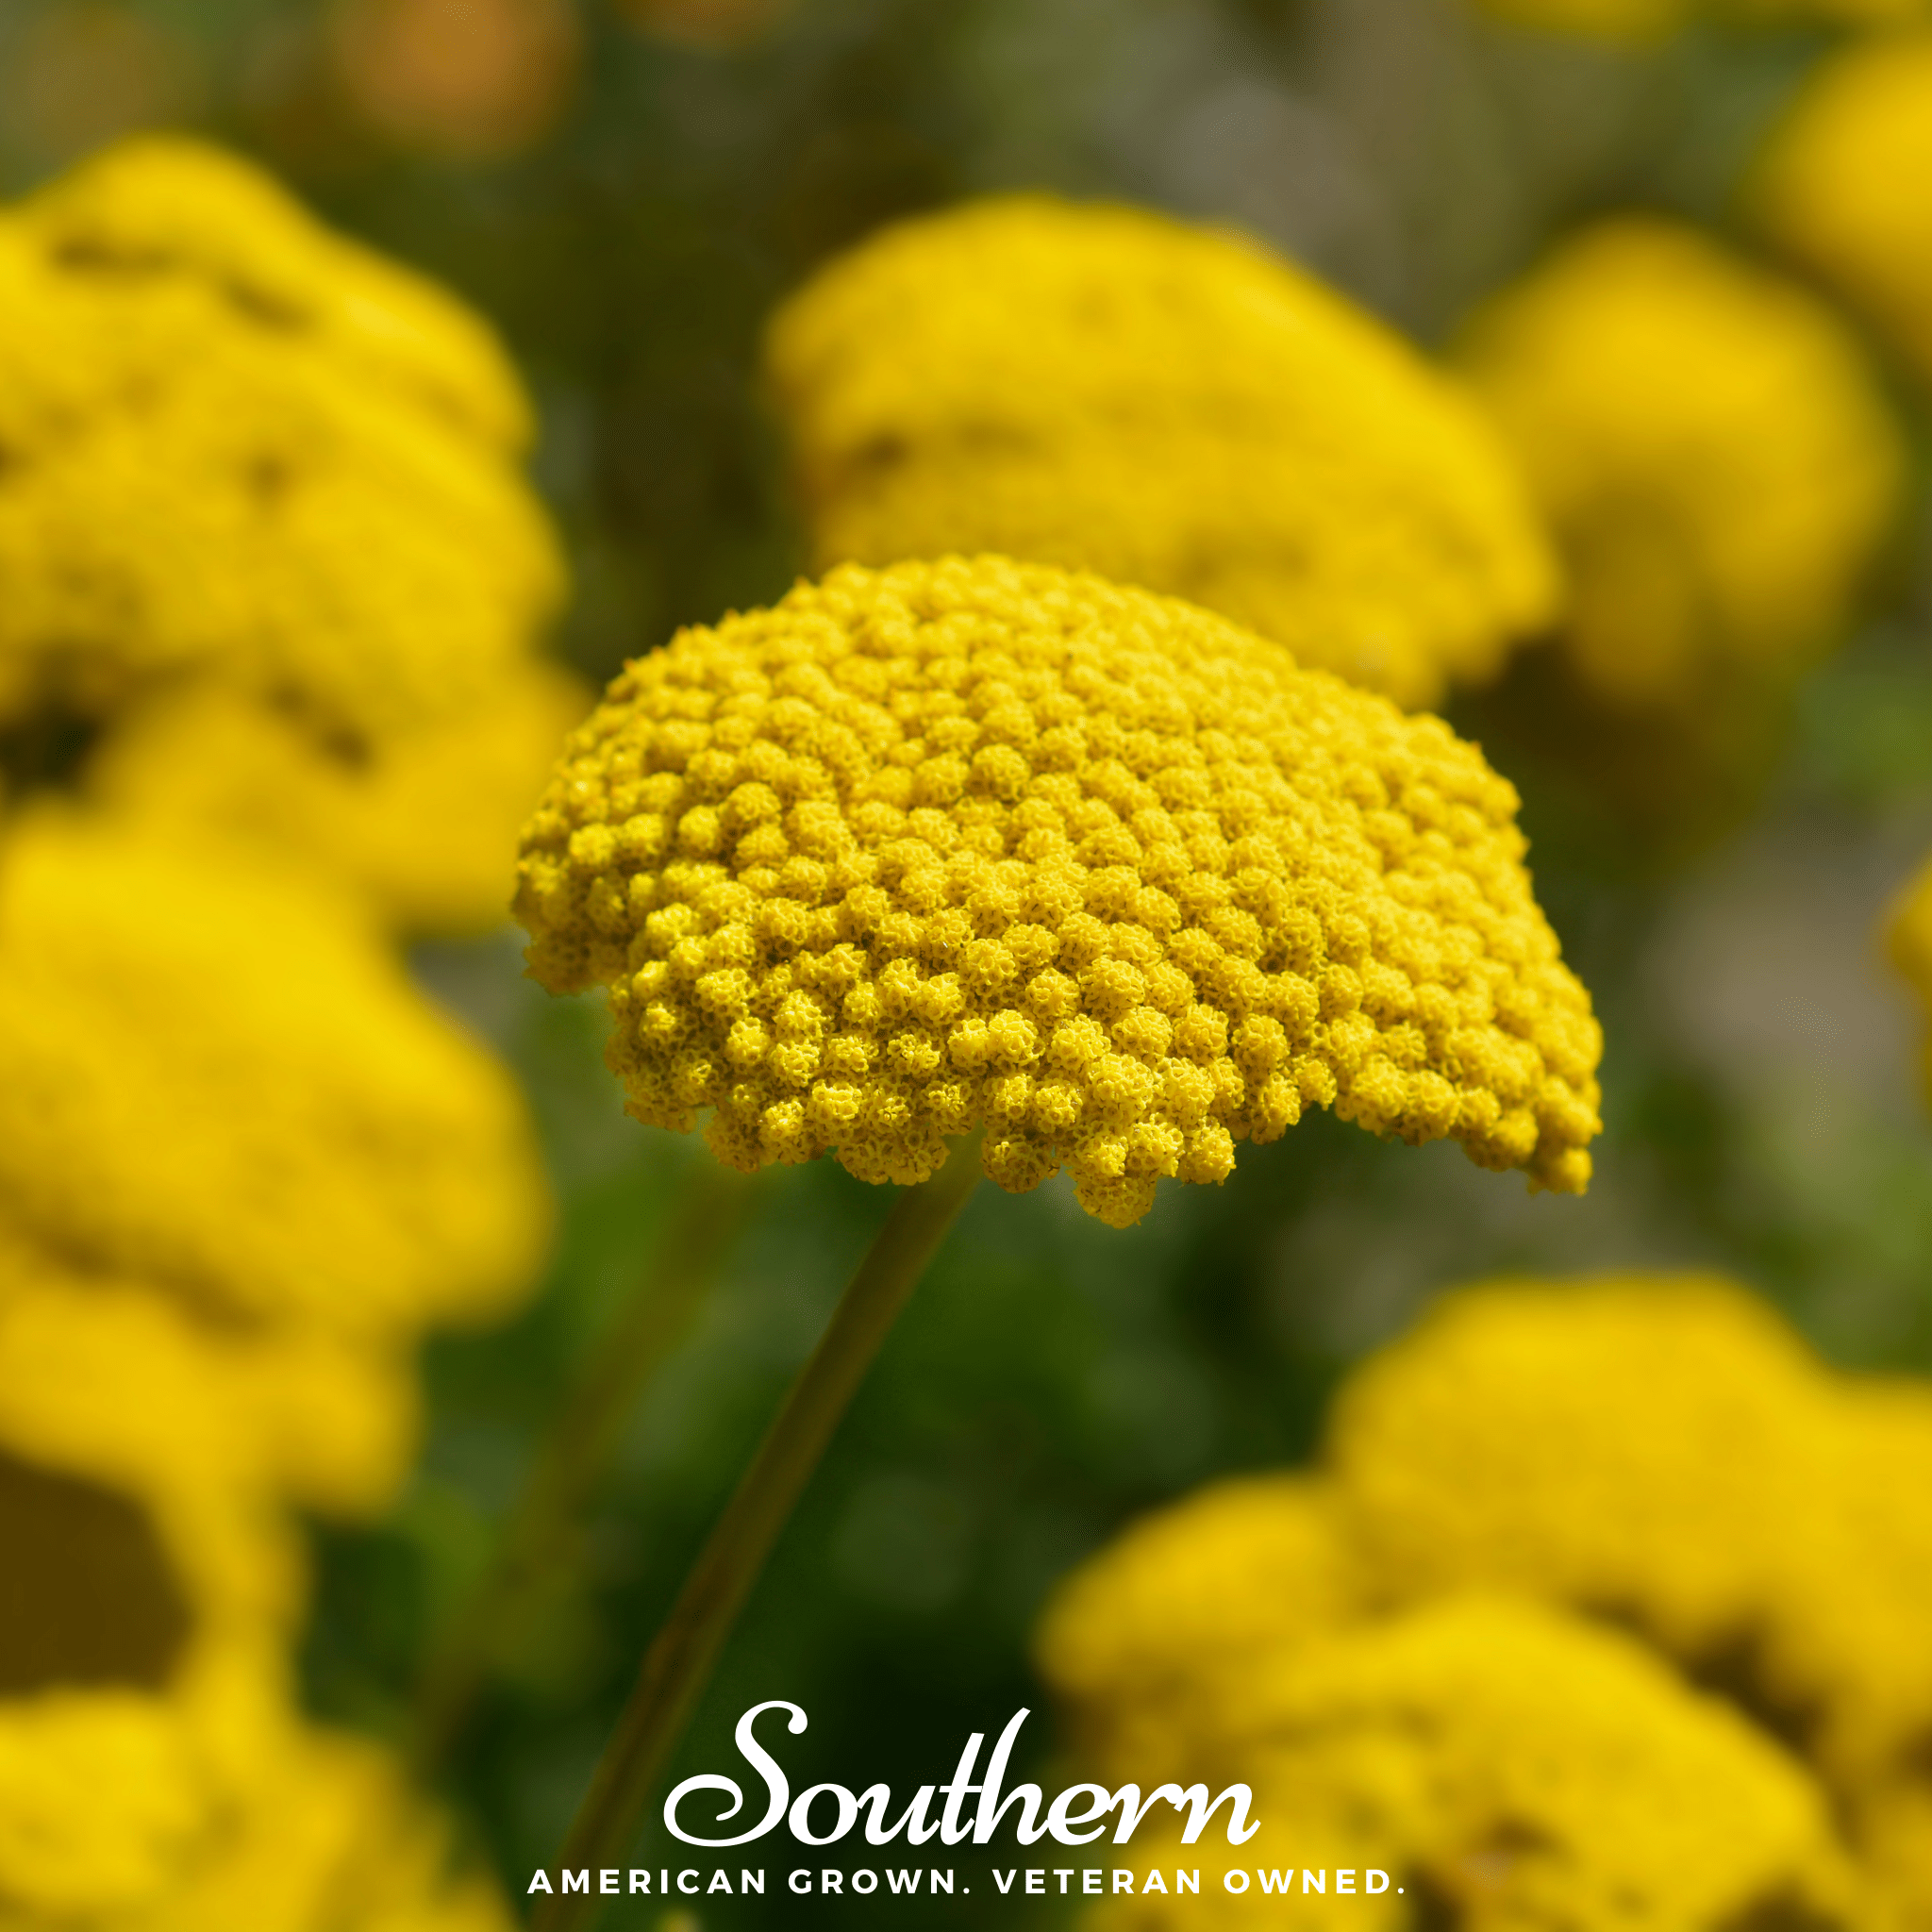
(419, 825)
(151, 1595)
(1709, 448)
(162, 212)
(1101, 388)
(986, 843)
(215, 1082)
(1657, 1453)
(1470, 1454)
(1845, 183)
(1236, 1572)
(238, 449)
(332, 1816)
(1507, 1765)
(1768, 1525)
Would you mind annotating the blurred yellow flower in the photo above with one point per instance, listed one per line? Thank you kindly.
(1635, 1442)
(150, 1596)
(171, 216)
(1361, 1642)
(1908, 939)
(1240, 1570)
(240, 454)
(1709, 448)
(424, 825)
(216, 1083)
(982, 841)
(1103, 388)
(1846, 184)
(1506, 1765)
(1661, 1449)
(333, 1837)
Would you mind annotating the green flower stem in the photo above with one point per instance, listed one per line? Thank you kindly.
(539, 1534)
(686, 1645)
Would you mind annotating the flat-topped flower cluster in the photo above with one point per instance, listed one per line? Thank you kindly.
(978, 843)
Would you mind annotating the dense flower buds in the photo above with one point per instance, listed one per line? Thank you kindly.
(979, 844)
(1709, 448)
(1105, 388)
(1846, 184)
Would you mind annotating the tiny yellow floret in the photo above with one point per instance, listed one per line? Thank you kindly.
(983, 843)
(1710, 449)
(1103, 388)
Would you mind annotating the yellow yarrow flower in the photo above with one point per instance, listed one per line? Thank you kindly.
(1769, 1524)
(423, 826)
(1103, 388)
(1656, 1451)
(195, 488)
(1508, 1766)
(155, 208)
(216, 1083)
(1846, 184)
(333, 1835)
(1633, 1441)
(1236, 1571)
(322, 1420)
(151, 1596)
(241, 455)
(980, 843)
(1709, 448)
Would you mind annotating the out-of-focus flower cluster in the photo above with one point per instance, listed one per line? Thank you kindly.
(1843, 185)
(269, 588)
(1105, 388)
(987, 843)
(193, 373)
(1712, 453)
(1606, 1603)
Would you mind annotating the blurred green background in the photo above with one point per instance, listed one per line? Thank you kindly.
(627, 191)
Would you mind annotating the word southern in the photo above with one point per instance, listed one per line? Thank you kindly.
(823, 1814)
